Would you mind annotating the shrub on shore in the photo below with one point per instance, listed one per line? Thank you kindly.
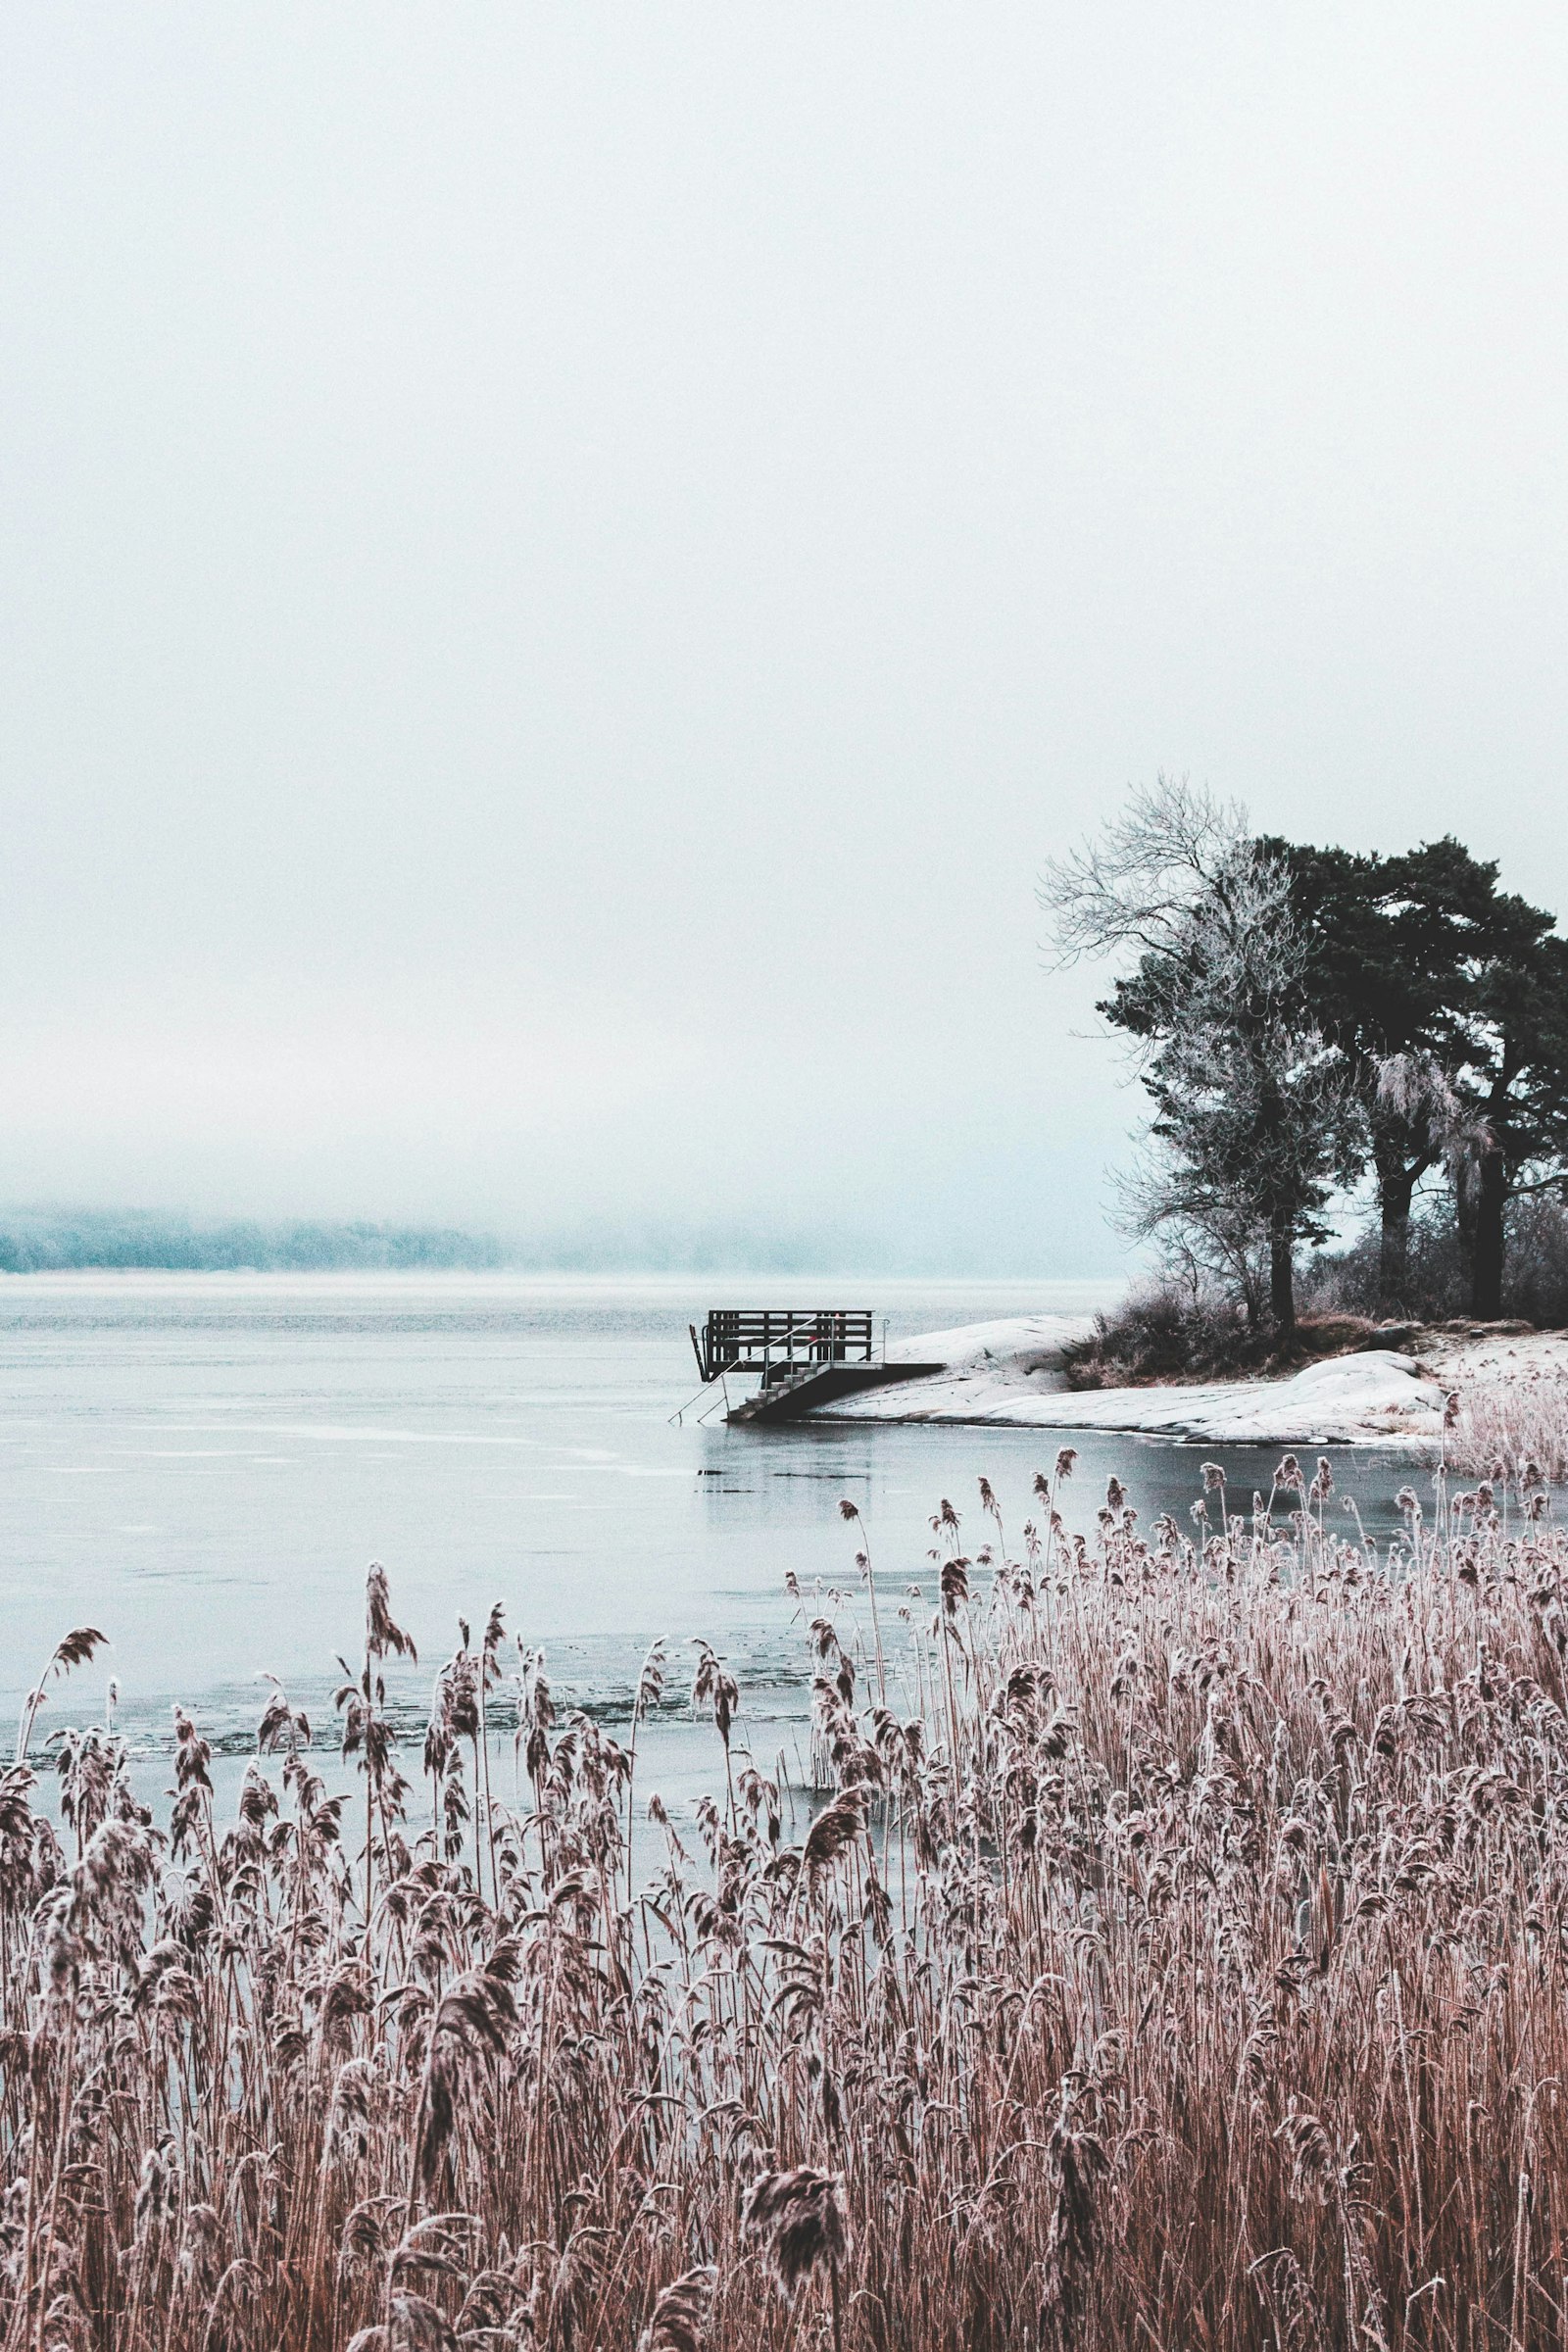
(1180, 1955)
(1167, 1330)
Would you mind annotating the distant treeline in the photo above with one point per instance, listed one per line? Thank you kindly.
(40, 1242)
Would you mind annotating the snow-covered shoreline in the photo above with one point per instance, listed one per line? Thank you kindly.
(1009, 1374)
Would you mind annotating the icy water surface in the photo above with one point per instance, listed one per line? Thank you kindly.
(202, 1465)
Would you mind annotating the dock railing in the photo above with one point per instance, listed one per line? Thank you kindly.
(778, 1340)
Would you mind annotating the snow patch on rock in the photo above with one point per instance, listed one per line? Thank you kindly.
(1021, 1347)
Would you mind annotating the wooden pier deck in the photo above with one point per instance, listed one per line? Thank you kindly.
(802, 1357)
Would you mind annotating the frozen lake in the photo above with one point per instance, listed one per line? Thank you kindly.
(202, 1465)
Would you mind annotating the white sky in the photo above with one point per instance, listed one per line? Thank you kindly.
(565, 568)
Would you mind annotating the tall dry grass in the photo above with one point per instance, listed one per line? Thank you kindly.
(1180, 1958)
(1513, 1426)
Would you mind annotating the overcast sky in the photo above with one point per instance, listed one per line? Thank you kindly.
(565, 568)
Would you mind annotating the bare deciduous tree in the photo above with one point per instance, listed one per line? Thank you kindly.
(1136, 884)
(1253, 1121)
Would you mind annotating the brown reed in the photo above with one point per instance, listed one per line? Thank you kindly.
(1179, 1957)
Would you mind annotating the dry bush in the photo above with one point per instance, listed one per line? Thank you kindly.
(1181, 1957)
(1165, 1331)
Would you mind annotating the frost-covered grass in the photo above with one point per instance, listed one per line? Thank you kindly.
(1504, 1426)
(1178, 1955)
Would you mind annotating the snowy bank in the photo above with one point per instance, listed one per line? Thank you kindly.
(1022, 1348)
(1011, 1374)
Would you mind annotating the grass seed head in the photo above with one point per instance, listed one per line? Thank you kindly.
(680, 2314)
(798, 2217)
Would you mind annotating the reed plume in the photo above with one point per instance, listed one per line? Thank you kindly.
(680, 2314)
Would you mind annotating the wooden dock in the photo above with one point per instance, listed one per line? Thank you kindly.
(802, 1357)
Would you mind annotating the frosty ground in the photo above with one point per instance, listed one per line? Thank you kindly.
(1011, 1374)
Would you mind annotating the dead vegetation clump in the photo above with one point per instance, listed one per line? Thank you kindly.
(1180, 1957)
(1513, 1426)
(1169, 1331)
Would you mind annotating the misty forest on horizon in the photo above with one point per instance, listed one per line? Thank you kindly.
(50, 1241)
